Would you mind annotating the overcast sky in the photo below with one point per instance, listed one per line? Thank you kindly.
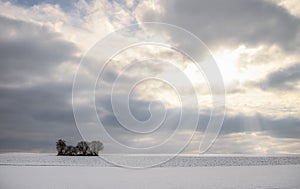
(255, 43)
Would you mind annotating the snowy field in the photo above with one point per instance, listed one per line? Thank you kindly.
(26, 159)
(36, 171)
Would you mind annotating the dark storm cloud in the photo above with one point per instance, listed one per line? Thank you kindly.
(30, 51)
(32, 116)
(35, 108)
(220, 22)
(138, 108)
(282, 79)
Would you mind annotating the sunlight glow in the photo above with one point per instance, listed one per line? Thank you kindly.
(227, 62)
(193, 73)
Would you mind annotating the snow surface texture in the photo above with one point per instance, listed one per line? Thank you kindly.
(39, 177)
(38, 171)
(179, 161)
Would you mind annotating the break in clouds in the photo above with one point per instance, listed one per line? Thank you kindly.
(42, 42)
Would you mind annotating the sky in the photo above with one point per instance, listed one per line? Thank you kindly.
(52, 87)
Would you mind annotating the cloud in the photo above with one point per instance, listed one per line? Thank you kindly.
(66, 5)
(30, 52)
(37, 66)
(228, 22)
(39, 52)
(39, 114)
(83, 22)
(254, 143)
(290, 5)
(283, 79)
(35, 105)
(278, 129)
(287, 127)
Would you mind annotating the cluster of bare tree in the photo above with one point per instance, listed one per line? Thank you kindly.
(83, 148)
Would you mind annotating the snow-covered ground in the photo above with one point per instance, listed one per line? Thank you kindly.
(27, 159)
(49, 171)
(38, 177)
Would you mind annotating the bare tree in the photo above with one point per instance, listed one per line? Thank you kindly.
(60, 147)
(83, 148)
(71, 151)
(95, 147)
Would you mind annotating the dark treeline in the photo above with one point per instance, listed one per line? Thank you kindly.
(83, 148)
